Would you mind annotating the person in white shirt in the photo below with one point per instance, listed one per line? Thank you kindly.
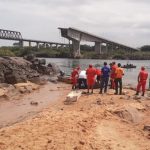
(82, 79)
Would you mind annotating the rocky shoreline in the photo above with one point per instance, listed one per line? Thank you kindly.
(19, 70)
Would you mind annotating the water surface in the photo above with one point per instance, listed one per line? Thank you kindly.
(130, 74)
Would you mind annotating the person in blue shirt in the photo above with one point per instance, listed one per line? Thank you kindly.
(104, 78)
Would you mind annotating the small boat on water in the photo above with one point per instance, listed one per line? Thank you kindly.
(128, 66)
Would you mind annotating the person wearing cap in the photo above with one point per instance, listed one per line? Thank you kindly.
(98, 73)
(104, 78)
(74, 78)
(142, 77)
(91, 73)
(119, 72)
(113, 74)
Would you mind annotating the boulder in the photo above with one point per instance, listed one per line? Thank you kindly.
(146, 128)
(26, 87)
(15, 70)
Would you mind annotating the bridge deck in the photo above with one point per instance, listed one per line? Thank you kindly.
(96, 38)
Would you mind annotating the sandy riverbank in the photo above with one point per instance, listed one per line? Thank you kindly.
(99, 122)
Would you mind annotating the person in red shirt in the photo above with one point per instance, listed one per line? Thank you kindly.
(74, 78)
(91, 73)
(142, 77)
(98, 73)
(113, 75)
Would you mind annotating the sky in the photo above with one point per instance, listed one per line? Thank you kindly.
(122, 21)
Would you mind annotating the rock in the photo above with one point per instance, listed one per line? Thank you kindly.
(146, 128)
(29, 88)
(2, 85)
(125, 92)
(137, 97)
(38, 80)
(83, 130)
(121, 97)
(34, 103)
(83, 92)
(53, 80)
(81, 142)
(26, 86)
(22, 90)
(98, 102)
(2, 92)
(14, 70)
(147, 98)
(148, 94)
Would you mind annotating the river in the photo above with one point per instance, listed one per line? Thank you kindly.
(130, 76)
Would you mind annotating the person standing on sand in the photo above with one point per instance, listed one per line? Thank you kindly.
(91, 73)
(105, 78)
(74, 78)
(98, 73)
(112, 75)
(142, 77)
(118, 79)
(82, 79)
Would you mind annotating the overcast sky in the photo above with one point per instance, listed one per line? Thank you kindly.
(123, 21)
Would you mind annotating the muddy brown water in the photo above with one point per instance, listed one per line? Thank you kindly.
(15, 110)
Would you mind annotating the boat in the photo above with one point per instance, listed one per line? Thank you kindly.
(128, 66)
(64, 78)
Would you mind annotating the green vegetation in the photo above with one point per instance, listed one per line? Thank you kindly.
(86, 52)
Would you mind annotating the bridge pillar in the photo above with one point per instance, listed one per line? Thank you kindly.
(37, 44)
(76, 48)
(44, 45)
(98, 47)
(21, 43)
(106, 48)
(50, 45)
(29, 44)
(56, 46)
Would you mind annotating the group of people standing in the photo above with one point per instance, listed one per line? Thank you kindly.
(113, 72)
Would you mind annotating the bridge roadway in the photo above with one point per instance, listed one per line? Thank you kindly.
(16, 36)
(76, 36)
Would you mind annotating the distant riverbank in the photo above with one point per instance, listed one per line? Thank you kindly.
(67, 53)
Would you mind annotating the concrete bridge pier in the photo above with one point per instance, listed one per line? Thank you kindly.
(37, 44)
(56, 46)
(50, 45)
(44, 45)
(106, 48)
(21, 43)
(29, 44)
(76, 48)
(98, 47)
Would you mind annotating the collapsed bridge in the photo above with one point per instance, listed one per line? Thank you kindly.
(76, 36)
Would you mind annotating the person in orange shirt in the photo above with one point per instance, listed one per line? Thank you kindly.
(74, 78)
(91, 73)
(112, 75)
(98, 73)
(119, 72)
(142, 77)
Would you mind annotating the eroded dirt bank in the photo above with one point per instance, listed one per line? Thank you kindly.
(98, 122)
(18, 106)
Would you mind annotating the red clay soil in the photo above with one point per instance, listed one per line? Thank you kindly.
(94, 122)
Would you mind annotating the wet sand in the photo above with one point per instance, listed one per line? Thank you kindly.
(26, 105)
(94, 122)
